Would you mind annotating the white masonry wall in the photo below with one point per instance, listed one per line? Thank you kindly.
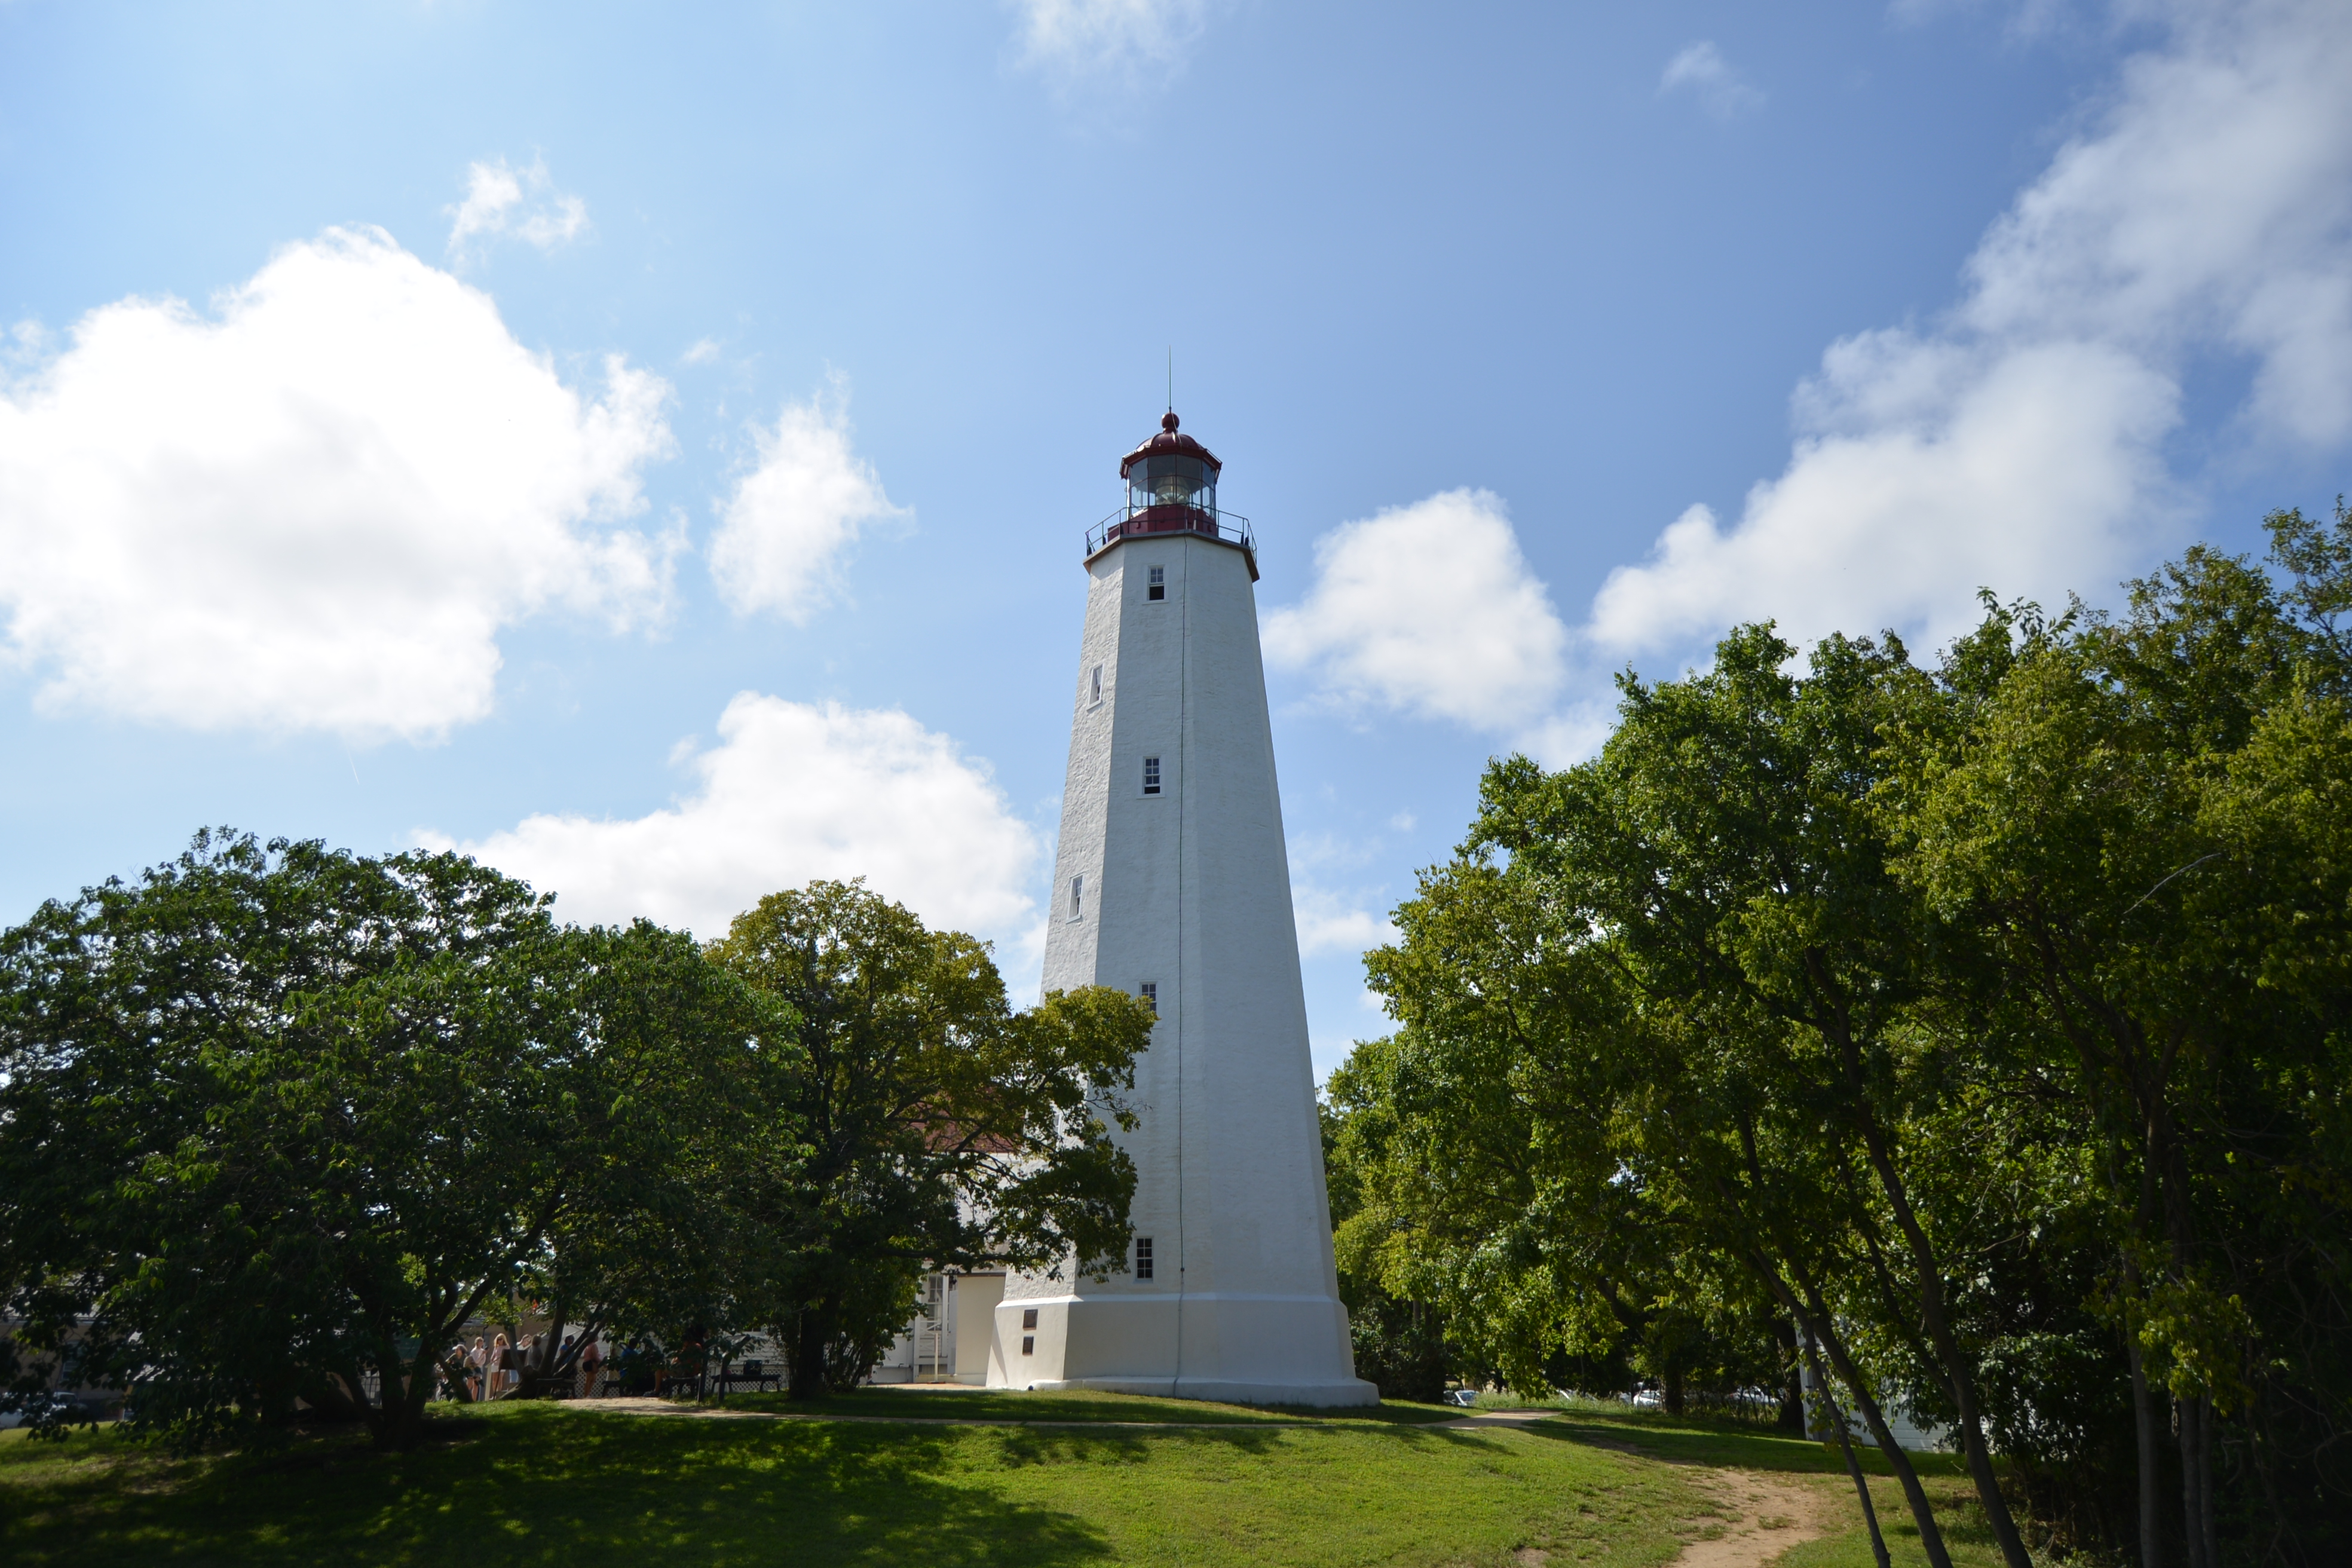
(1190, 890)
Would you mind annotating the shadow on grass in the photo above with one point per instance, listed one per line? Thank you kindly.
(1388, 1412)
(1700, 1440)
(570, 1485)
(536, 1487)
(942, 1403)
(1001, 1404)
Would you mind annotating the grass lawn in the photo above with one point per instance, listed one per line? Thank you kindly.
(1702, 1441)
(579, 1486)
(955, 1403)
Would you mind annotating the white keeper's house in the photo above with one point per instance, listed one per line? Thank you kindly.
(1171, 883)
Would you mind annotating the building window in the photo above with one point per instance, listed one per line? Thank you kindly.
(1077, 898)
(1143, 1257)
(1028, 1344)
(1150, 992)
(1029, 1317)
(1151, 776)
(1094, 686)
(1157, 588)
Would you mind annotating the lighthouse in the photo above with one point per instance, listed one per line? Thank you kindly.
(1171, 883)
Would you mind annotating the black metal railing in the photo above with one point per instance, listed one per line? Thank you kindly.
(1134, 521)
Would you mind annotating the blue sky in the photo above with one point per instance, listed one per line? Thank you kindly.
(650, 446)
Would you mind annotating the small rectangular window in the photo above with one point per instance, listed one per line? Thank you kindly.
(1150, 992)
(1028, 1344)
(1029, 1317)
(1077, 898)
(1151, 776)
(1094, 685)
(1143, 1257)
(1157, 588)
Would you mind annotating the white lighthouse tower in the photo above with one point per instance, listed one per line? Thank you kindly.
(1171, 883)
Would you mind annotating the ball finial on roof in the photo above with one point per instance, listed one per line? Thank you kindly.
(1165, 442)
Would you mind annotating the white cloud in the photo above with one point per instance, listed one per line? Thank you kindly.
(702, 350)
(1332, 922)
(1428, 609)
(1124, 39)
(316, 509)
(2019, 469)
(2017, 445)
(1328, 918)
(782, 531)
(1702, 71)
(792, 793)
(494, 203)
(2213, 202)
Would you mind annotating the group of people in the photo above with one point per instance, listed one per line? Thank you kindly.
(494, 1370)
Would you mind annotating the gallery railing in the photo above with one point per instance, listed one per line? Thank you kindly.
(1132, 522)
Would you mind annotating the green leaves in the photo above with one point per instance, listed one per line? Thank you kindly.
(274, 1108)
(1991, 1016)
(941, 1128)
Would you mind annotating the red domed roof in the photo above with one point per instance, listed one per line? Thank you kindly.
(1169, 443)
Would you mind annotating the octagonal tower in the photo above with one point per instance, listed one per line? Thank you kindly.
(1171, 883)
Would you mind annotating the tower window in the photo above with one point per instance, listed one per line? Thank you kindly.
(1150, 992)
(1156, 586)
(1077, 898)
(1029, 1317)
(1143, 1257)
(1094, 685)
(1151, 776)
(1028, 1344)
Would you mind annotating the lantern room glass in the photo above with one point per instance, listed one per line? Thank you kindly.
(1171, 480)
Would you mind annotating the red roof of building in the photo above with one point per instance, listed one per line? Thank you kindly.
(1169, 443)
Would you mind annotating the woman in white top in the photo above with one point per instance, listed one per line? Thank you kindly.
(478, 1361)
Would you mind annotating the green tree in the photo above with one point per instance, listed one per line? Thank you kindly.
(277, 1120)
(2119, 818)
(941, 1128)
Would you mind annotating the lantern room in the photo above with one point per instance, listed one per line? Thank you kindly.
(1171, 488)
(1170, 469)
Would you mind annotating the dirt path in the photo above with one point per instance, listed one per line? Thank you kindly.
(1489, 1419)
(1763, 1515)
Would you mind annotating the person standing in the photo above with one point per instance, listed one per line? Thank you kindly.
(501, 1354)
(477, 1361)
(592, 1362)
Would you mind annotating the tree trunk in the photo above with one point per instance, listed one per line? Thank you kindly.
(1812, 1319)
(1923, 1513)
(2193, 1508)
(1792, 1415)
(1931, 1304)
(1836, 1418)
(1956, 1368)
(808, 1354)
(2151, 1526)
(2205, 1480)
(1673, 1380)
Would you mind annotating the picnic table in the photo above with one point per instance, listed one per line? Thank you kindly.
(751, 1374)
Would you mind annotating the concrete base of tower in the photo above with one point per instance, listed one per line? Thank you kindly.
(1240, 1348)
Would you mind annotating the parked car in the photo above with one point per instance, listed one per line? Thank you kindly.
(1462, 1396)
(59, 1406)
